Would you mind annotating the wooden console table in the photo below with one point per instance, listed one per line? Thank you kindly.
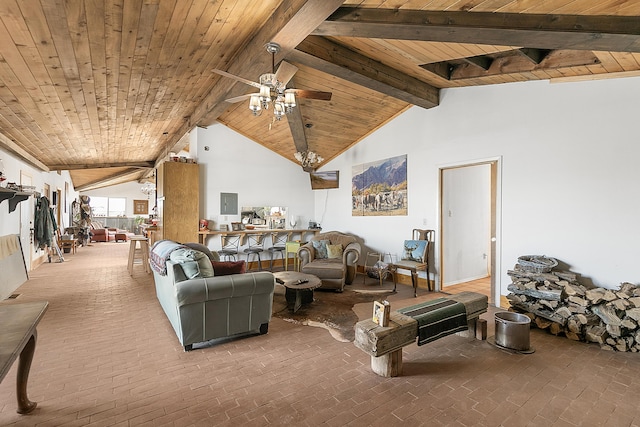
(18, 337)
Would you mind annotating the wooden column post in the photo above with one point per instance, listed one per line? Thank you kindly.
(388, 365)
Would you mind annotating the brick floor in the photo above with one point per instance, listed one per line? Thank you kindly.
(107, 356)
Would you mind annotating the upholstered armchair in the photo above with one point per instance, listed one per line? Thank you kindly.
(331, 256)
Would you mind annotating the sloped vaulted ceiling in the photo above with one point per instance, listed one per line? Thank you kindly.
(106, 88)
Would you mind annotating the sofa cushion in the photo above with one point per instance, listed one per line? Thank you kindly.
(194, 263)
(321, 248)
(334, 251)
(225, 268)
(326, 268)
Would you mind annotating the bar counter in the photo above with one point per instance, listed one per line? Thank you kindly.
(203, 235)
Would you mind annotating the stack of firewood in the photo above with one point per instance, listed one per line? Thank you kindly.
(555, 301)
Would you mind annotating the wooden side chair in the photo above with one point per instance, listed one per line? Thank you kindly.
(70, 244)
(415, 258)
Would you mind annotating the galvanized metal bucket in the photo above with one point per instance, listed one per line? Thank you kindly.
(512, 330)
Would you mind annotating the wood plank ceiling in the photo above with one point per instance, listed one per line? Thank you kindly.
(107, 88)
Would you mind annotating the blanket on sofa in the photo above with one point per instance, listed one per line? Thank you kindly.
(160, 253)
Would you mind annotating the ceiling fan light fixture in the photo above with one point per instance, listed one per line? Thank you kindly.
(279, 109)
(289, 101)
(265, 96)
(269, 80)
(308, 159)
(273, 88)
(255, 104)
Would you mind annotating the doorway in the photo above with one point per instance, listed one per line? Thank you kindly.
(468, 211)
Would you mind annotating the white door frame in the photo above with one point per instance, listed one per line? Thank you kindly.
(496, 221)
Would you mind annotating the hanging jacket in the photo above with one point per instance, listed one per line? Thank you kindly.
(44, 223)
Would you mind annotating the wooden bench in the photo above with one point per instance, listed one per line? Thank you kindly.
(384, 344)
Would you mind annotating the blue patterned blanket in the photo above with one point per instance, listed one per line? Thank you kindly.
(437, 318)
(160, 253)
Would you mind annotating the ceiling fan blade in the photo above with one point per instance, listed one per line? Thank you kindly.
(240, 79)
(285, 72)
(240, 98)
(311, 94)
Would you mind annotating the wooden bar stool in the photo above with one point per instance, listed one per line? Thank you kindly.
(292, 248)
(141, 252)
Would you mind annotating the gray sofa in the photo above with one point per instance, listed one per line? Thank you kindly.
(334, 271)
(203, 308)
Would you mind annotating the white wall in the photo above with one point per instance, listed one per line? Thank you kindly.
(14, 167)
(569, 180)
(235, 164)
(20, 221)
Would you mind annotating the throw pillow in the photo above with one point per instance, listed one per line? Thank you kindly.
(194, 263)
(213, 256)
(321, 248)
(414, 250)
(334, 251)
(225, 268)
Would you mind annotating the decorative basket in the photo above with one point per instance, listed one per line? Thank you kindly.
(537, 263)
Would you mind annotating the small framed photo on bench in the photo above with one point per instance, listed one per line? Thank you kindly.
(381, 312)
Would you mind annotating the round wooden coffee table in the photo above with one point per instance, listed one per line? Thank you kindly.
(298, 287)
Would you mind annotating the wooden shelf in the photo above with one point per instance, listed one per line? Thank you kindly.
(14, 197)
(6, 194)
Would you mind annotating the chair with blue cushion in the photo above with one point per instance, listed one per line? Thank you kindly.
(415, 258)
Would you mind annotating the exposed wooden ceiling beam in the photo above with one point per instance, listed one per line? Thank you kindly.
(510, 62)
(442, 69)
(337, 60)
(534, 55)
(12, 147)
(120, 177)
(516, 63)
(296, 125)
(288, 26)
(482, 61)
(606, 33)
(141, 165)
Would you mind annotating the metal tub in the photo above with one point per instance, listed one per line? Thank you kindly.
(512, 330)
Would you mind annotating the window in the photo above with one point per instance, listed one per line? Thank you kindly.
(108, 206)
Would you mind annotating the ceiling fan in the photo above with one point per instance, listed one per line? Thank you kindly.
(273, 88)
